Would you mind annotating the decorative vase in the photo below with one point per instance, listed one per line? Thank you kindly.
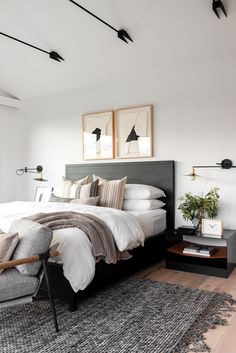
(197, 224)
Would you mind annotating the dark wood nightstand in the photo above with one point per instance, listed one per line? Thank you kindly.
(220, 264)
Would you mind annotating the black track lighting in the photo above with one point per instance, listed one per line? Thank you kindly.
(53, 55)
(121, 34)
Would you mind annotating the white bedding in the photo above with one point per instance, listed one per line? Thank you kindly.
(152, 221)
(74, 246)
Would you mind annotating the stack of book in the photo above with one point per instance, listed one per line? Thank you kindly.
(201, 250)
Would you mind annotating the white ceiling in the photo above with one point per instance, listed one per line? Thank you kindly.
(165, 33)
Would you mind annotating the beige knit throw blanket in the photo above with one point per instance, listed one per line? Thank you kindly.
(99, 234)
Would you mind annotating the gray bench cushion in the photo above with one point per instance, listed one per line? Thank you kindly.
(34, 239)
(14, 285)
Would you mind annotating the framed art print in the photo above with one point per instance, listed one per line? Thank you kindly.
(98, 139)
(134, 132)
(212, 227)
(43, 194)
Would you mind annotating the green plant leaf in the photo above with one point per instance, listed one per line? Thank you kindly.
(197, 207)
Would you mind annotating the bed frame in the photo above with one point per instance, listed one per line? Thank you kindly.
(156, 173)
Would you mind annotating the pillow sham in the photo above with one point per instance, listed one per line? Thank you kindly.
(142, 205)
(93, 201)
(142, 192)
(65, 189)
(8, 242)
(110, 192)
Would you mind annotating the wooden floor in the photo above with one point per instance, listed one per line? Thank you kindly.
(222, 339)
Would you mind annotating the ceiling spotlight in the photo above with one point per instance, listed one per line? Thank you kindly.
(217, 4)
(123, 35)
(55, 56)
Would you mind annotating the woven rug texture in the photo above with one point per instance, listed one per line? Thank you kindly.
(132, 316)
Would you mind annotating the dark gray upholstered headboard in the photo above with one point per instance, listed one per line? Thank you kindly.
(156, 173)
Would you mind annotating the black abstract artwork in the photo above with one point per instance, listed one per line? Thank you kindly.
(132, 135)
(97, 132)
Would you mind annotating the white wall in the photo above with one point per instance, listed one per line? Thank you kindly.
(13, 153)
(194, 123)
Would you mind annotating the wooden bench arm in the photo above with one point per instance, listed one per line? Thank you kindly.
(25, 260)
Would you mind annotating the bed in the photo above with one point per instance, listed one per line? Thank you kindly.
(153, 224)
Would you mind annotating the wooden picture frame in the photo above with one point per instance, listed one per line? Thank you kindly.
(43, 194)
(133, 129)
(98, 135)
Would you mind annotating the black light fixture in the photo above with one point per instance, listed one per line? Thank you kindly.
(121, 34)
(53, 55)
(218, 4)
(225, 164)
(37, 170)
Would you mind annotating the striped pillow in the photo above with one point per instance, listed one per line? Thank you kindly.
(84, 191)
(67, 185)
(8, 243)
(110, 192)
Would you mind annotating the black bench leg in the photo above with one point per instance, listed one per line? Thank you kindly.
(52, 304)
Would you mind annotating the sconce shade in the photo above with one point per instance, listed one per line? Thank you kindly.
(40, 178)
(193, 174)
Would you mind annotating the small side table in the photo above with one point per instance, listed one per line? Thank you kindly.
(220, 264)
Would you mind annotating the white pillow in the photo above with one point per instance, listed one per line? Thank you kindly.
(142, 192)
(142, 205)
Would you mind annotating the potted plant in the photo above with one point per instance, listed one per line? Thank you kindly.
(195, 208)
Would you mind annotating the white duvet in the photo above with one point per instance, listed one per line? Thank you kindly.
(74, 246)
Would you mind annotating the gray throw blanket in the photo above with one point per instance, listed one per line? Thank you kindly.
(100, 236)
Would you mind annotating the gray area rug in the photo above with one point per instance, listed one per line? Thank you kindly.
(135, 316)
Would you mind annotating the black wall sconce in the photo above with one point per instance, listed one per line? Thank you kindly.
(37, 170)
(225, 164)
